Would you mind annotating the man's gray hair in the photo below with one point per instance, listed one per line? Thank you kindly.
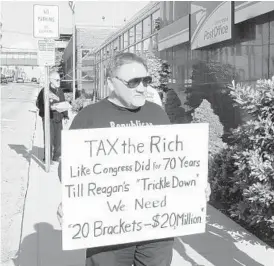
(123, 59)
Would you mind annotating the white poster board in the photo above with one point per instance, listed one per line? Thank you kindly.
(131, 184)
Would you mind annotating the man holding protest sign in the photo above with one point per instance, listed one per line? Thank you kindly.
(127, 79)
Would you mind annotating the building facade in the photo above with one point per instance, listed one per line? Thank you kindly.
(88, 37)
(207, 44)
(139, 34)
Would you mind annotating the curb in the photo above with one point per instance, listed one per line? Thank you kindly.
(28, 179)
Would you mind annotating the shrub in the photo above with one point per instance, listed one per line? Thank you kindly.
(204, 114)
(254, 158)
(83, 100)
(159, 70)
(68, 97)
(243, 174)
(77, 104)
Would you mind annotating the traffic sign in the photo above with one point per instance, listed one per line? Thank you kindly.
(46, 53)
(45, 21)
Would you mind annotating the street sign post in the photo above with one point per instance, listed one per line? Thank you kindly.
(46, 26)
(46, 58)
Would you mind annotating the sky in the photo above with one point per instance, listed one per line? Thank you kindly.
(17, 17)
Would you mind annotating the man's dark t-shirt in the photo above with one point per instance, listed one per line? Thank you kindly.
(105, 114)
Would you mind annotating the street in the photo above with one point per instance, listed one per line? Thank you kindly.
(18, 120)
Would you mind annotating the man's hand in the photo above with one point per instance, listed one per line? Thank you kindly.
(208, 191)
(53, 107)
(60, 214)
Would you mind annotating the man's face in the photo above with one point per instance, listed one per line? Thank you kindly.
(129, 97)
(55, 81)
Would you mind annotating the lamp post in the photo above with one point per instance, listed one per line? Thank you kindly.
(72, 7)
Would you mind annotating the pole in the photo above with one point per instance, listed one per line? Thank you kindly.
(46, 120)
(73, 55)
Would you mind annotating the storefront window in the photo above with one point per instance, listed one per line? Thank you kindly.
(111, 48)
(271, 50)
(139, 47)
(181, 9)
(126, 39)
(180, 62)
(168, 12)
(155, 16)
(131, 36)
(108, 51)
(139, 32)
(154, 43)
(147, 26)
(116, 44)
(147, 45)
(121, 42)
(251, 60)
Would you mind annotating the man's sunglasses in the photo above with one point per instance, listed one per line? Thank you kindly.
(134, 83)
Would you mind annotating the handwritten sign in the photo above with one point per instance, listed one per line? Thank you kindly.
(131, 184)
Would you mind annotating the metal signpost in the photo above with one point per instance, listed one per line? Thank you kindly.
(72, 7)
(46, 26)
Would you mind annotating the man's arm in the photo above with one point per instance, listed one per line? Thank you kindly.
(40, 100)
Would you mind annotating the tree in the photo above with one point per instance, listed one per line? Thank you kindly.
(158, 69)
(204, 114)
(59, 62)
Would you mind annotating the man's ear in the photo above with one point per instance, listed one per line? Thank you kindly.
(110, 84)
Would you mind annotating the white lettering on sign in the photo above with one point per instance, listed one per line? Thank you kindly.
(216, 26)
(124, 184)
(215, 32)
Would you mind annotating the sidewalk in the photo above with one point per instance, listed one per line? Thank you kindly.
(225, 243)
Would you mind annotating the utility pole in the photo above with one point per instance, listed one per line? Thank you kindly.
(72, 7)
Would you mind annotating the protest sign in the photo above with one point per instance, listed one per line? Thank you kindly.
(129, 184)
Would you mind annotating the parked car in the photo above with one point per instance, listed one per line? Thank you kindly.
(34, 80)
(20, 80)
(10, 79)
(4, 79)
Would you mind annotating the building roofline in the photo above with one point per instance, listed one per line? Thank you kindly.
(85, 25)
(138, 16)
